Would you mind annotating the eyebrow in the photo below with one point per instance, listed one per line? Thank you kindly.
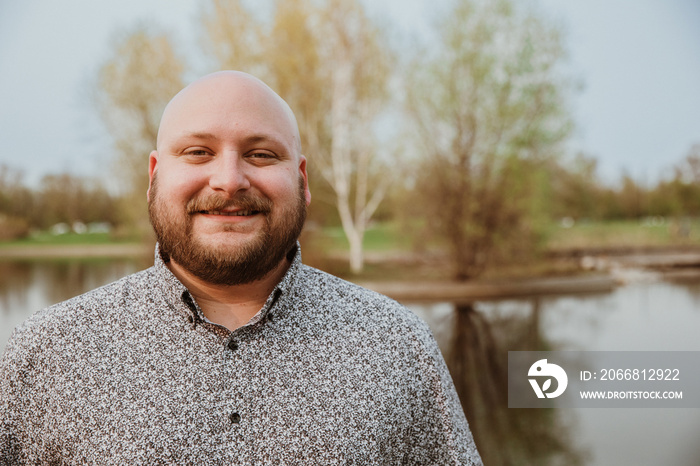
(252, 139)
(199, 136)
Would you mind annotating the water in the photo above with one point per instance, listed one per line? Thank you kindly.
(27, 287)
(646, 315)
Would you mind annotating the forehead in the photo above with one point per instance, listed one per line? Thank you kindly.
(227, 108)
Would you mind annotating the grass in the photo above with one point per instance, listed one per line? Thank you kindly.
(585, 234)
(45, 238)
(624, 234)
(389, 237)
(71, 247)
(380, 237)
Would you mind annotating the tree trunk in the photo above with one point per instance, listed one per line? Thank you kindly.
(356, 252)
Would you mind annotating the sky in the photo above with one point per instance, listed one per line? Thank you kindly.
(637, 61)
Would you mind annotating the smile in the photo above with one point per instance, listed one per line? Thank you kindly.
(238, 213)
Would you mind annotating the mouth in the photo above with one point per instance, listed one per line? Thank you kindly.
(240, 208)
(236, 213)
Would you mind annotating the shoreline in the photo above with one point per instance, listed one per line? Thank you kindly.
(606, 271)
(75, 251)
(457, 292)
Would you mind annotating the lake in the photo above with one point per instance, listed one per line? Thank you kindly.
(649, 313)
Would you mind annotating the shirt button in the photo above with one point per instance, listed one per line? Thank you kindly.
(235, 418)
(232, 345)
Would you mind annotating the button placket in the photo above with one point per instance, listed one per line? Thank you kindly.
(232, 345)
(189, 302)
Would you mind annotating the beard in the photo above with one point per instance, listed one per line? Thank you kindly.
(227, 264)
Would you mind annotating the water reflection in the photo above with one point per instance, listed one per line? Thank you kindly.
(27, 287)
(653, 315)
(478, 361)
(14, 280)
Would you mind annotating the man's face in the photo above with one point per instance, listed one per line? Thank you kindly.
(228, 190)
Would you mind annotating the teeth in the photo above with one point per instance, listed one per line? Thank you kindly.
(239, 213)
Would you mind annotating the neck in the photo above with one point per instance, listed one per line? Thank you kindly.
(230, 305)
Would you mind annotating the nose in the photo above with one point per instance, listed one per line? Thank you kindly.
(229, 174)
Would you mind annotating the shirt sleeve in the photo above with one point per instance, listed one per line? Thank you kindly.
(20, 418)
(440, 433)
(13, 385)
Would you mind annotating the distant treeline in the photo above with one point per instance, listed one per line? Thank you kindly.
(62, 198)
(578, 192)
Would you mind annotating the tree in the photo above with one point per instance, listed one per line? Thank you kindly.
(575, 188)
(68, 198)
(359, 66)
(134, 86)
(331, 64)
(631, 198)
(679, 196)
(689, 169)
(16, 205)
(295, 70)
(16, 200)
(488, 108)
(232, 35)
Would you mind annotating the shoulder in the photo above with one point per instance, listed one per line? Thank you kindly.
(326, 289)
(340, 301)
(67, 320)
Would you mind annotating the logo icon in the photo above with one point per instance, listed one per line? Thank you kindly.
(542, 369)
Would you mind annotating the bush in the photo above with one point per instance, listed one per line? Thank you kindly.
(12, 228)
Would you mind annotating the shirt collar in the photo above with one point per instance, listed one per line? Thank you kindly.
(177, 294)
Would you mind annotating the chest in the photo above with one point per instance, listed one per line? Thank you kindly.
(230, 403)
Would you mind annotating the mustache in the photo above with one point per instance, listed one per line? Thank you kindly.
(218, 202)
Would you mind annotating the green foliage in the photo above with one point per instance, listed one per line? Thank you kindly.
(68, 198)
(579, 194)
(61, 198)
(489, 111)
(134, 84)
(232, 34)
(574, 189)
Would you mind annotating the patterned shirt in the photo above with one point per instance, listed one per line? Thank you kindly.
(133, 373)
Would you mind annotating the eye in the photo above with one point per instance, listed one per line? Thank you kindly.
(262, 155)
(197, 152)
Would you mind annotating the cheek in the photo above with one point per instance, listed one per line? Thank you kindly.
(285, 189)
(180, 185)
(275, 183)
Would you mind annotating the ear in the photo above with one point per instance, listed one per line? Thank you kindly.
(152, 166)
(305, 176)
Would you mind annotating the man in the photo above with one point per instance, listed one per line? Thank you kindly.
(228, 350)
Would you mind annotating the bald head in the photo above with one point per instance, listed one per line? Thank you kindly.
(227, 95)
